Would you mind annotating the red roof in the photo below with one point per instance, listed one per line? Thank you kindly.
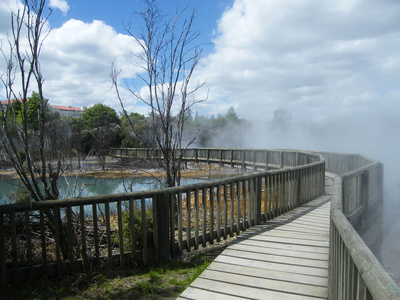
(5, 102)
(62, 107)
(59, 107)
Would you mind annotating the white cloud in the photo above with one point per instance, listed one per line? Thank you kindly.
(316, 59)
(76, 60)
(5, 19)
(333, 65)
(60, 4)
(6, 40)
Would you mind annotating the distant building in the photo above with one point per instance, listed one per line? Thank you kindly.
(64, 111)
(67, 111)
(5, 102)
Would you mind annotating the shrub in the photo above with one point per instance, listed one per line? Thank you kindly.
(22, 155)
(20, 195)
(138, 228)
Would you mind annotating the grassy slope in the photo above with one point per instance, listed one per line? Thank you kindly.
(164, 281)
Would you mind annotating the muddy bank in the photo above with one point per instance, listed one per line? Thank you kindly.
(136, 168)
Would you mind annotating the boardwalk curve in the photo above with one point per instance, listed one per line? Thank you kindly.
(285, 258)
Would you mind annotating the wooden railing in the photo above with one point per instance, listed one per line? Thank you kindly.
(53, 237)
(362, 182)
(255, 158)
(354, 272)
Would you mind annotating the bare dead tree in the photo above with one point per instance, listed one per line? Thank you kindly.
(168, 59)
(24, 146)
(18, 135)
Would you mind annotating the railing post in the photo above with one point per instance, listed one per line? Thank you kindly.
(336, 204)
(243, 159)
(161, 227)
(365, 195)
(257, 215)
(381, 175)
(252, 197)
(322, 188)
(298, 190)
(255, 200)
(2, 252)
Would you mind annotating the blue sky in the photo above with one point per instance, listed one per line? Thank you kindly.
(118, 13)
(328, 67)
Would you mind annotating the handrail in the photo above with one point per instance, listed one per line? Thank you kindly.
(354, 272)
(99, 199)
(230, 156)
(79, 234)
(218, 209)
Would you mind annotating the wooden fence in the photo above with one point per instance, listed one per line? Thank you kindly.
(50, 238)
(246, 158)
(53, 237)
(354, 272)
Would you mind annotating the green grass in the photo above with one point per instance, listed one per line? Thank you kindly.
(164, 281)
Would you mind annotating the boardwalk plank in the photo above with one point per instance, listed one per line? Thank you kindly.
(275, 245)
(288, 227)
(297, 261)
(312, 229)
(266, 284)
(286, 258)
(282, 252)
(293, 228)
(272, 266)
(200, 294)
(322, 228)
(243, 291)
(305, 236)
(271, 274)
(290, 241)
(290, 234)
(305, 222)
(297, 230)
(311, 221)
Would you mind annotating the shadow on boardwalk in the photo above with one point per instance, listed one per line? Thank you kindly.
(286, 258)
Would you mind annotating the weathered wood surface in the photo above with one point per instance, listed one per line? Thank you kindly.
(286, 258)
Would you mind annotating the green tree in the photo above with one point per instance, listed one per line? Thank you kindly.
(102, 131)
(28, 111)
(75, 139)
(231, 115)
(33, 107)
(135, 136)
(225, 130)
(99, 115)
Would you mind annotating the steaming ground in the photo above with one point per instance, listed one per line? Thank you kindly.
(389, 250)
(381, 233)
(376, 137)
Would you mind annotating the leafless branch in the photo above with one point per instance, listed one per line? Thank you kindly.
(169, 59)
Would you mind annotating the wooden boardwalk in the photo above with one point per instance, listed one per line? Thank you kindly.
(286, 258)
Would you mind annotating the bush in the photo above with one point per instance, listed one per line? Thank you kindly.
(138, 228)
(22, 155)
(20, 195)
